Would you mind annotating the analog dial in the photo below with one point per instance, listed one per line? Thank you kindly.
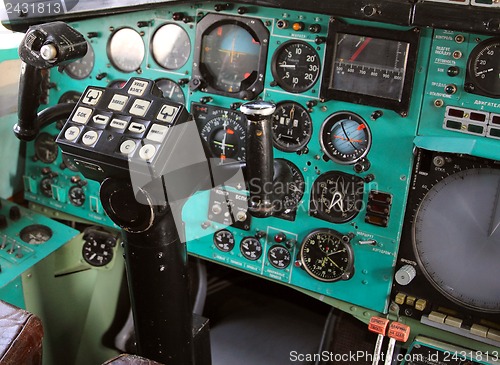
(251, 248)
(35, 234)
(293, 195)
(82, 67)
(484, 68)
(171, 46)
(292, 127)
(46, 186)
(171, 90)
(296, 66)
(224, 240)
(345, 137)
(326, 255)
(46, 149)
(126, 50)
(279, 257)
(76, 196)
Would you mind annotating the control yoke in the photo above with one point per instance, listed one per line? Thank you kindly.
(43, 47)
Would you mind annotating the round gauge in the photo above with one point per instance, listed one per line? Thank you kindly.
(76, 196)
(171, 46)
(224, 240)
(225, 135)
(295, 66)
(279, 257)
(95, 252)
(294, 190)
(126, 50)
(483, 67)
(171, 90)
(69, 164)
(230, 56)
(69, 97)
(35, 234)
(251, 248)
(326, 255)
(82, 67)
(345, 137)
(292, 127)
(456, 236)
(336, 197)
(46, 148)
(46, 186)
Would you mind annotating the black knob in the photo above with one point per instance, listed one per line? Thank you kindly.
(315, 28)
(15, 213)
(101, 76)
(3, 221)
(450, 89)
(453, 71)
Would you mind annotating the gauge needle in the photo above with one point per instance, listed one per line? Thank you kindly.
(333, 262)
(360, 49)
(495, 218)
(484, 71)
(334, 252)
(284, 65)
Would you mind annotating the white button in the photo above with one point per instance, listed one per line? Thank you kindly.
(82, 115)
(118, 123)
(137, 127)
(157, 133)
(138, 87)
(89, 138)
(140, 107)
(71, 133)
(127, 147)
(118, 102)
(147, 152)
(167, 113)
(92, 97)
(100, 119)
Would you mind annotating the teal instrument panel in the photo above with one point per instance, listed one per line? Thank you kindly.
(351, 198)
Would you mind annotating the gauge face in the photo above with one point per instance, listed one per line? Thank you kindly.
(224, 240)
(223, 132)
(171, 90)
(456, 236)
(279, 257)
(46, 149)
(46, 186)
(97, 253)
(336, 197)
(69, 164)
(251, 248)
(327, 256)
(82, 67)
(35, 234)
(294, 193)
(484, 67)
(76, 196)
(292, 127)
(126, 50)
(296, 66)
(345, 137)
(171, 46)
(69, 97)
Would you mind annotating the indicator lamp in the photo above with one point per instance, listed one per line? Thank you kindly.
(298, 26)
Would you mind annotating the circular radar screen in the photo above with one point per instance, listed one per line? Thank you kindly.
(295, 66)
(171, 46)
(126, 50)
(345, 138)
(230, 56)
(292, 127)
(326, 255)
(456, 238)
(336, 197)
(483, 68)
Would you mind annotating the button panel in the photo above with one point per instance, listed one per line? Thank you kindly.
(114, 131)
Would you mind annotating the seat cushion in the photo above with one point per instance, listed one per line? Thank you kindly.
(21, 335)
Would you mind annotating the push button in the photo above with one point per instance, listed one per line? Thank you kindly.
(138, 88)
(157, 133)
(92, 97)
(89, 138)
(137, 128)
(72, 133)
(140, 107)
(82, 115)
(147, 152)
(167, 113)
(118, 102)
(118, 123)
(127, 147)
(100, 119)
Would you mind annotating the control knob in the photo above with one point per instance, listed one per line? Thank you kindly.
(405, 275)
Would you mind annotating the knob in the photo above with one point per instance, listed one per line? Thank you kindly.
(216, 209)
(241, 216)
(15, 213)
(405, 275)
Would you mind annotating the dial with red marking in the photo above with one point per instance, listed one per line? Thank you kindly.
(345, 137)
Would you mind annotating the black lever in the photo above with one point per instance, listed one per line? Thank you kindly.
(43, 47)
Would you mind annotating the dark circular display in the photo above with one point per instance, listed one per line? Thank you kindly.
(171, 46)
(292, 127)
(456, 236)
(126, 50)
(76, 196)
(224, 240)
(171, 90)
(251, 248)
(294, 190)
(327, 256)
(225, 135)
(336, 197)
(82, 67)
(345, 137)
(96, 253)
(46, 149)
(484, 67)
(46, 186)
(279, 257)
(296, 66)
(69, 164)
(35, 234)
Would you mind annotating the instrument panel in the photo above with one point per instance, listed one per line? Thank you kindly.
(346, 123)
